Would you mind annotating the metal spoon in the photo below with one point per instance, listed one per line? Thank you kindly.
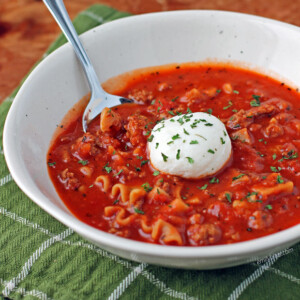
(99, 98)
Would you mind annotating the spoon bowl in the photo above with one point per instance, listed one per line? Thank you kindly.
(99, 98)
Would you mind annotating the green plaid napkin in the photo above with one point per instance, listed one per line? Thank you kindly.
(42, 259)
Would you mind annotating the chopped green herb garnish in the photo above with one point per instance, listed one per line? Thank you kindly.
(150, 138)
(171, 113)
(218, 91)
(236, 92)
(180, 121)
(210, 111)
(225, 134)
(234, 110)
(165, 157)
(202, 187)
(222, 141)
(237, 126)
(190, 160)
(116, 201)
(291, 155)
(228, 197)
(143, 162)
(171, 142)
(256, 101)
(211, 151)
(274, 156)
(156, 145)
(238, 177)
(178, 154)
(228, 106)
(146, 186)
(153, 102)
(209, 124)
(269, 206)
(214, 180)
(276, 170)
(194, 142)
(83, 162)
(138, 169)
(138, 211)
(156, 173)
(185, 132)
(189, 110)
(174, 99)
(279, 179)
(51, 164)
(175, 137)
(118, 173)
(108, 169)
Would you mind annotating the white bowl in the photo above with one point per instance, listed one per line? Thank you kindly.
(127, 44)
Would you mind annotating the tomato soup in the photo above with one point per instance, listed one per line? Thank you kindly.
(106, 179)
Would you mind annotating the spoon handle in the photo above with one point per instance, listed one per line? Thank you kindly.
(59, 12)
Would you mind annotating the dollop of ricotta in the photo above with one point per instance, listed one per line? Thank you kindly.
(193, 145)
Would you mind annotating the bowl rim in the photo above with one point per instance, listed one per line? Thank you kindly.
(245, 248)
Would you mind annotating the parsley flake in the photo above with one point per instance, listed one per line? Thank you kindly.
(279, 179)
(165, 157)
(238, 177)
(194, 142)
(143, 162)
(214, 180)
(150, 138)
(108, 169)
(256, 101)
(211, 151)
(138, 211)
(175, 137)
(190, 160)
(156, 173)
(185, 132)
(228, 106)
(83, 162)
(118, 173)
(228, 197)
(202, 187)
(274, 169)
(178, 154)
(146, 186)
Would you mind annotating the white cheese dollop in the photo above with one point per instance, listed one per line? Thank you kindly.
(194, 145)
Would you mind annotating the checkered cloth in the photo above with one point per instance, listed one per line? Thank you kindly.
(42, 259)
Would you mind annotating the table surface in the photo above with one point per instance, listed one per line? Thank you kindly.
(27, 28)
